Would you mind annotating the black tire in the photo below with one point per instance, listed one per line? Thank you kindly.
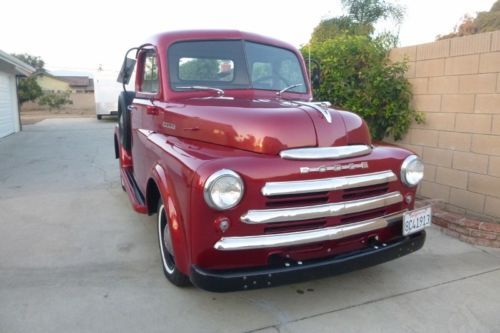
(166, 250)
(99, 117)
(124, 119)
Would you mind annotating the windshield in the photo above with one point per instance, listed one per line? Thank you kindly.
(234, 64)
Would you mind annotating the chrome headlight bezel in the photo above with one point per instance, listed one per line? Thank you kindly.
(213, 181)
(412, 163)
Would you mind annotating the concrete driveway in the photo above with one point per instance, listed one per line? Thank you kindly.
(74, 257)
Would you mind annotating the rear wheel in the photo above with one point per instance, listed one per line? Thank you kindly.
(166, 249)
(99, 117)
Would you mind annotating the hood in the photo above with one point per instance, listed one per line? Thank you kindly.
(265, 126)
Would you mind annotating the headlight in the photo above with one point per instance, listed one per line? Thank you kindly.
(223, 189)
(412, 171)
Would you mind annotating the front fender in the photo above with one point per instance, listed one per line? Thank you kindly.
(175, 216)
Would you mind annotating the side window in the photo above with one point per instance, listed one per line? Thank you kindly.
(150, 74)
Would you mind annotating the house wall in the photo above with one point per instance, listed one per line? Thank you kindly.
(456, 83)
(48, 83)
(81, 102)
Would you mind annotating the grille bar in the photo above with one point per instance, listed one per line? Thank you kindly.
(327, 184)
(320, 211)
(305, 237)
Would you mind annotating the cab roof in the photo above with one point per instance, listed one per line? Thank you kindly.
(165, 39)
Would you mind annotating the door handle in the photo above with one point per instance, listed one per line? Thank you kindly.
(152, 110)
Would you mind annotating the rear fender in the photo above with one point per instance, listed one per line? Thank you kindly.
(173, 210)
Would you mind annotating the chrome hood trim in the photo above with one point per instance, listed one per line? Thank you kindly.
(320, 211)
(327, 184)
(305, 237)
(321, 107)
(325, 153)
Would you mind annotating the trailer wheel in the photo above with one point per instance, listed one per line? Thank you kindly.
(124, 119)
(166, 249)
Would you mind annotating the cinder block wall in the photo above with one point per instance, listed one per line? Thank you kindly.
(456, 83)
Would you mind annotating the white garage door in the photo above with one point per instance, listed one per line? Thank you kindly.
(7, 107)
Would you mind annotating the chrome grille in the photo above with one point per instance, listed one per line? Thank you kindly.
(365, 192)
(259, 216)
(297, 199)
(276, 228)
(351, 198)
(362, 216)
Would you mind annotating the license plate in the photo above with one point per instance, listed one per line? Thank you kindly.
(416, 220)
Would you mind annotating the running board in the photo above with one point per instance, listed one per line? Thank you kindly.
(134, 194)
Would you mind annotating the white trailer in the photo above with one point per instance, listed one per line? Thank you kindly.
(106, 92)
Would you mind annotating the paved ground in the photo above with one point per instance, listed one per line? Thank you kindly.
(34, 116)
(74, 257)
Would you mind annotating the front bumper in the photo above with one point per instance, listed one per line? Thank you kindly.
(232, 280)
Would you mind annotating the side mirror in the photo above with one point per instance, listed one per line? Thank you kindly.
(316, 77)
(126, 70)
(314, 69)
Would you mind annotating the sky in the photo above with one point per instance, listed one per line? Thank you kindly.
(73, 36)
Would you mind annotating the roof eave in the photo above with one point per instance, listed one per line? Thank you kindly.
(21, 67)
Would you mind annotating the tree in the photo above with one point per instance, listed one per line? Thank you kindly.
(483, 22)
(369, 12)
(28, 88)
(362, 15)
(357, 74)
(489, 21)
(335, 26)
(34, 61)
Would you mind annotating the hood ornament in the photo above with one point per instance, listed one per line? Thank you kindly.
(321, 107)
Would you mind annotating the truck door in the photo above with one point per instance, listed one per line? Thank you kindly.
(144, 114)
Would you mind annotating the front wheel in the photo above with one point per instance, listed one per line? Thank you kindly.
(166, 249)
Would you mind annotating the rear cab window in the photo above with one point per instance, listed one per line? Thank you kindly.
(150, 81)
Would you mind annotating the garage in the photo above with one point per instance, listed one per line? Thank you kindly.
(8, 123)
(10, 68)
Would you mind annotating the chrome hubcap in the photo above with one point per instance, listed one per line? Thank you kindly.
(165, 241)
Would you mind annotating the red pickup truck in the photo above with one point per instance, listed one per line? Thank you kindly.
(254, 184)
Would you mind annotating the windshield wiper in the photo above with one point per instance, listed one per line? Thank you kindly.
(220, 92)
(287, 88)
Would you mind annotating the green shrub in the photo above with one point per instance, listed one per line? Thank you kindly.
(357, 75)
(55, 100)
